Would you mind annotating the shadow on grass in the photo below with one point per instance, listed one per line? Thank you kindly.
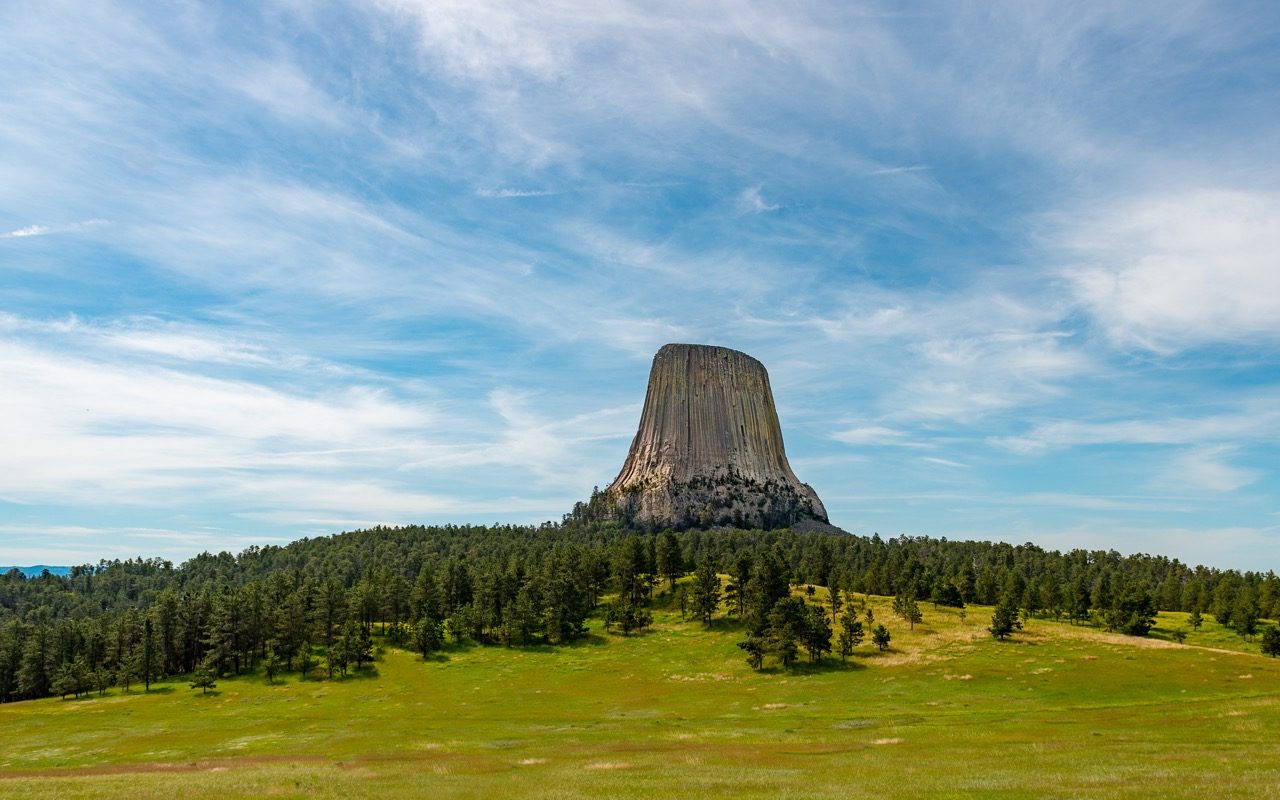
(365, 673)
(139, 691)
(805, 667)
(726, 624)
(618, 633)
(589, 639)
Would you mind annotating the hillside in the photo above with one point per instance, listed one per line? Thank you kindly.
(1058, 711)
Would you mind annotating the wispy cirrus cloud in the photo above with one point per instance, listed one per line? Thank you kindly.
(1253, 419)
(1207, 469)
(47, 230)
(1180, 269)
(899, 170)
(871, 435)
(516, 193)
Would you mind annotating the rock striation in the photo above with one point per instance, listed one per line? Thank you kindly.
(709, 448)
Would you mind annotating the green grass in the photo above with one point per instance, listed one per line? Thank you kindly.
(1059, 712)
(1211, 634)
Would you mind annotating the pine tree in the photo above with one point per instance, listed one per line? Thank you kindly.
(205, 676)
(817, 633)
(705, 596)
(427, 636)
(35, 672)
(1245, 613)
(306, 661)
(881, 637)
(63, 681)
(670, 561)
(425, 601)
(1076, 600)
(102, 680)
(1271, 641)
(1004, 620)
(755, 649)
(905, 606)
(851, 633)
(786, 624)
(736, 592)
(149, 655)
(273, 663)
(362, 647)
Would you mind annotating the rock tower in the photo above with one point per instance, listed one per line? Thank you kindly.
(709, 448)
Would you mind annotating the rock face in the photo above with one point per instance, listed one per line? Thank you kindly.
(709, 448)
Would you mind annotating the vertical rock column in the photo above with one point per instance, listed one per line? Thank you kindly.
(709, 447)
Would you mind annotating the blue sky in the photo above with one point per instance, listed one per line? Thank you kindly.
(286, 271)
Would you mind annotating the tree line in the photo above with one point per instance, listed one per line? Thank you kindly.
(313, 606)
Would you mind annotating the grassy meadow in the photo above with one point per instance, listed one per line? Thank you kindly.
(1057, 712)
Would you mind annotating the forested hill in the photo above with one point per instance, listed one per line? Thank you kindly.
(32, 572)
(516, 585)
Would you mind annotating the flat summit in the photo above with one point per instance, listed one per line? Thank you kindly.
(709, 448)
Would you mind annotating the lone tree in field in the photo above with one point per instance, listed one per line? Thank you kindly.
(1004, 620)
(205, 677)
(1195, 620)
(880, 637)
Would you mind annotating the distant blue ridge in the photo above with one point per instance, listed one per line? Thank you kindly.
(34, 572)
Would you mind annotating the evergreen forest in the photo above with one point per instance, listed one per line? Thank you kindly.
(317, 606)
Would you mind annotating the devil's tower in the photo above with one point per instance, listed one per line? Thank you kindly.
(709, 448)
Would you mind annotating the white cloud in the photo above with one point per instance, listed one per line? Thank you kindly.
(943, 462)
(1206, 469)
(283, 89)
(45, 230)
(142, 335)
(750, 201)
(899, 170)
(870, 435)
(1172, 270)
(108, 431)
(506, 193)
(1256, 419)
(30, 230)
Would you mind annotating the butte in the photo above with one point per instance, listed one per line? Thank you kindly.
(708, 451)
